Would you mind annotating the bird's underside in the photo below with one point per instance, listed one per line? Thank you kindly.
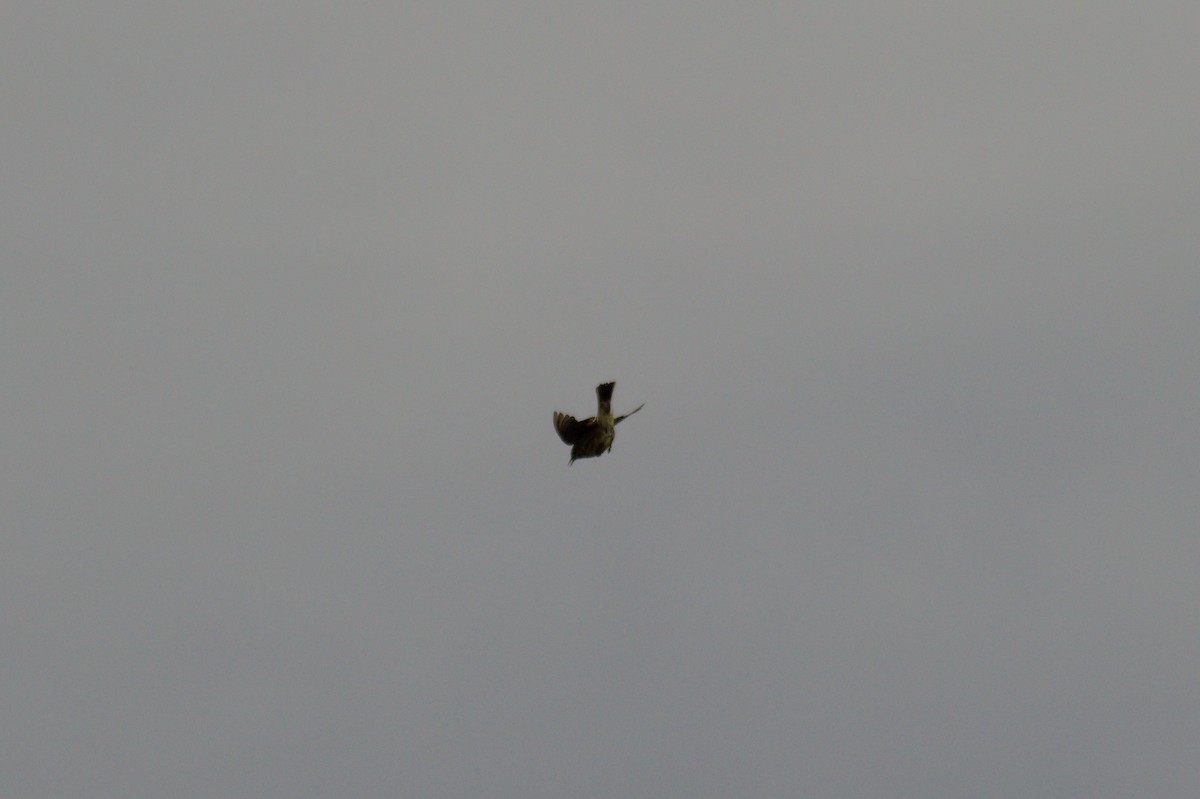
(591, 437)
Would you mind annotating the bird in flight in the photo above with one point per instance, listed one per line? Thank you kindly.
(592, 437)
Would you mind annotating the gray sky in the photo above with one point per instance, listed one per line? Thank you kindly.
(290, 291)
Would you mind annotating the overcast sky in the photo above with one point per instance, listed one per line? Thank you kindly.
(290, 292)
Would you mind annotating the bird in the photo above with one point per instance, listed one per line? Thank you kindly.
(591, 437)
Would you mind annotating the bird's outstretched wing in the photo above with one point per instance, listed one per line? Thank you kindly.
(631, 413)
(567, 427)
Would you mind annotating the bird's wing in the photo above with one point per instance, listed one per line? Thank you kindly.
(566, 427)
(631, 413)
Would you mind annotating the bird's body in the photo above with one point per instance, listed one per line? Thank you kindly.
(591, 437)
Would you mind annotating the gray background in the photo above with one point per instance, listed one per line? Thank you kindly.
(290, 291)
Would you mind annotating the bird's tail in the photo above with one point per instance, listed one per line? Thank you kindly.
(604, 391)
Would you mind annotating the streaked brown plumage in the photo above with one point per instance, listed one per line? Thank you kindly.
(592, 437)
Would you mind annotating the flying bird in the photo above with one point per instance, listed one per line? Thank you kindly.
(592, 437)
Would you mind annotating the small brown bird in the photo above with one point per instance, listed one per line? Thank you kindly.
(592, 437)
